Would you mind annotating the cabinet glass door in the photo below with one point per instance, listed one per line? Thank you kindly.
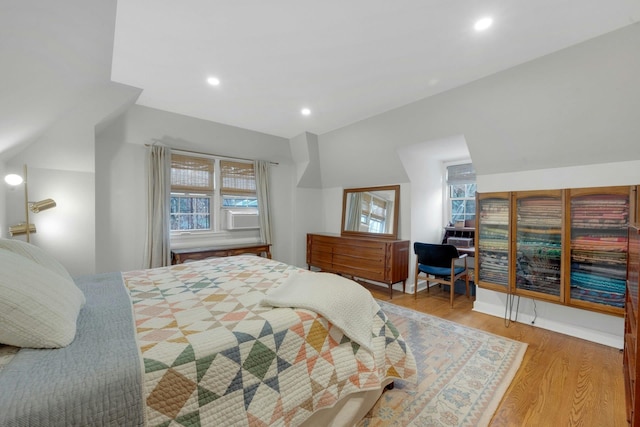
(539, 244)
(633, 271)
(492, 259)
(599, 249)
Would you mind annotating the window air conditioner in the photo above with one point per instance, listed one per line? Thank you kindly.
(242, 219)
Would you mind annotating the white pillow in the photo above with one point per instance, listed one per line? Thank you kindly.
(35, 254)
(38, 308)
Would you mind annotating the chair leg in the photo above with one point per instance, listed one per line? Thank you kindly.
(466, 282)
(415, 280)
(451, 292)
(415, 286)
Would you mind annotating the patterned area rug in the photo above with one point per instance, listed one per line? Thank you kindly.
(462, 374)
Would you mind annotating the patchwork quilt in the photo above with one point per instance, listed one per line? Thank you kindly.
(213, 355)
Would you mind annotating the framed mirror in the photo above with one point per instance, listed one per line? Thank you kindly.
(371, 211)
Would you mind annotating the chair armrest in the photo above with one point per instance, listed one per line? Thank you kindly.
(461, 257)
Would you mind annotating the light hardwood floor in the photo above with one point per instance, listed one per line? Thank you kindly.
(563, 381)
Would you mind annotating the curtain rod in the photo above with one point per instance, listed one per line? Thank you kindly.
(210, 154)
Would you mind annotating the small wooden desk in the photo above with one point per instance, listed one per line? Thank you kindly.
(178, 256)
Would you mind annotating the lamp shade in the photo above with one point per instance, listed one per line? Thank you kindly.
(16, 230)
(42, 205)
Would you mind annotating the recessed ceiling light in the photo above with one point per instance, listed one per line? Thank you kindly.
(483, 24)
(213, 81)
(305, 111)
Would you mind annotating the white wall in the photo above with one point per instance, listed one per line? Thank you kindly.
(424, 216)
(284, 220)
(308, 214)
(574, 107)
(121, 179)
(304, 151)
(53, 55)
(424, 163)
(595, 175)
(578, 106)
(66, 230)
(3, 200)
(55, 91)
(309, 199)
(120, 202)
(63, 156)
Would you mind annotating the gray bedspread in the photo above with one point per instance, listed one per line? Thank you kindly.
(95, 381)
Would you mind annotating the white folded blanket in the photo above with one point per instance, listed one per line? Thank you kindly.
(343, 302)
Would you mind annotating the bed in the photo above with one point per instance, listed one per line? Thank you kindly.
(205, 343)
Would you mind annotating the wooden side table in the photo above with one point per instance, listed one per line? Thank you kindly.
(178, 256)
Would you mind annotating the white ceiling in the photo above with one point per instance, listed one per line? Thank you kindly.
(345, 60)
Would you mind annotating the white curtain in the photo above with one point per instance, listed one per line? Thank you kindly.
(355, 212)
(388, 214)
(157, 249)
(262, 190)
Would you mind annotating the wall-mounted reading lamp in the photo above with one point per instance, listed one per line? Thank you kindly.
(35, 207)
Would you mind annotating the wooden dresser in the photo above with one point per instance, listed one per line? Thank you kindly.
(379, 260)
(631, 324)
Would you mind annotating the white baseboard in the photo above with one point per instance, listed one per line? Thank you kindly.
(591, 326)
(596, 327)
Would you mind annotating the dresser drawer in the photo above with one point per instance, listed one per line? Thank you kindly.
(379, 260)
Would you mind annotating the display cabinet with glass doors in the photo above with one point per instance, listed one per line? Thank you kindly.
(631, 355)
(563, 246)
(598, 255)
(492, 240)
(538, 244)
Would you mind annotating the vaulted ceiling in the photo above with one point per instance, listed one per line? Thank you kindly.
(344, 60)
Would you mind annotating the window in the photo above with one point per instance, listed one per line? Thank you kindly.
(192, 188)
(239, 202)
(373, 213)
(238, 188)
(190, 212)
(195, 198)
(461, 183)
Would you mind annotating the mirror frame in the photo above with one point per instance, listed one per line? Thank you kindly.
(396, 211)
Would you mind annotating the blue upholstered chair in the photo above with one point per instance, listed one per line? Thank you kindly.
(440, 264)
